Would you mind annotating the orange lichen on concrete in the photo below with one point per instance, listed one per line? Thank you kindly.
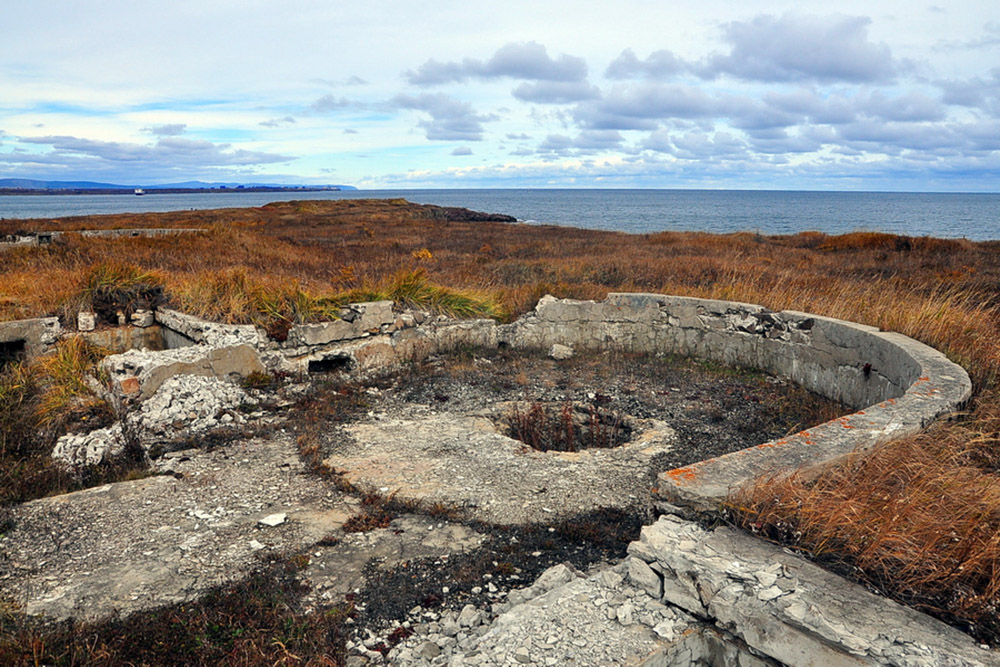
(679, 474)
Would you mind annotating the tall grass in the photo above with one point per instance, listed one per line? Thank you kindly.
(296, 261)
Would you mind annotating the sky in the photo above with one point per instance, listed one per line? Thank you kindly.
(843, 95)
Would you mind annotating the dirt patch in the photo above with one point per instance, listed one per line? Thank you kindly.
(441, 432)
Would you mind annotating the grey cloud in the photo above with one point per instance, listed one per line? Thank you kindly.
(462, 150)
(778, 141)
(174, 151)
(331, 103)
(170, 130)
(277, 122)
(976, 92)
(355, 81)
(588, 141)
(450, 119)
(555, 92)
(908, 107)
(794, 48)
(519, 60)
(512, 137)
(833, 109)
(702, 145)
(639, 107)
(657, 65)
(658, 141)
(350, 131)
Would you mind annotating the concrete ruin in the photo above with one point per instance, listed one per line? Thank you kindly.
(739, 601)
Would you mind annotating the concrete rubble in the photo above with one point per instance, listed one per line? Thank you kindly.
(686, 594)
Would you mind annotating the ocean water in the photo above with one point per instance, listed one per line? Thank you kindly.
(972, 216)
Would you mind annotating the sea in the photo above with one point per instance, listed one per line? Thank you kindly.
(945, 215)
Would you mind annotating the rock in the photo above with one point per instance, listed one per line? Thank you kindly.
(645, 578)
(255, 545)
(129, 386)
(625, 614)
(272, 520)
(470, 616)
(428, 650)
(142, 318)
(86, 321)
(560, 352)
(522, 655)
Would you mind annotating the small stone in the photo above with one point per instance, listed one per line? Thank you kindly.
(625, 613)
(560, 352)
(770, 593)
(428, 650)
(665, 629)
(469, 617)
(766, 579)
(129, 386)
(273, 520)
(522, 655)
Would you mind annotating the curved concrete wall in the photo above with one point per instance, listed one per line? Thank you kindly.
(896, 384)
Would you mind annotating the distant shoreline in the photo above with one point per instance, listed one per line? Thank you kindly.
(155, 191)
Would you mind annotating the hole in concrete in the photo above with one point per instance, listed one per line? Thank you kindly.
(567, 427)
(331, 364)
(11, 351)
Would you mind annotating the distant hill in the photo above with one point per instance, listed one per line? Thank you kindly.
(32, 184)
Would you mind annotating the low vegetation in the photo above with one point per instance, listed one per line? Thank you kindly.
(916, 519)
(260, 620)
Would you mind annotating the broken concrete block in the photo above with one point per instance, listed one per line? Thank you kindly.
(86, 321)
(142, 318)
(560, 352)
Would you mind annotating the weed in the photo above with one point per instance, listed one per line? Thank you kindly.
(568, 428)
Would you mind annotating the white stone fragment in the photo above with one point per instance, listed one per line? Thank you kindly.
(273, 520)
(86, 321)
(560, 352)
(770, 593)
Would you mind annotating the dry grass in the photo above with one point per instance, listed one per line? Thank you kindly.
(288, 260)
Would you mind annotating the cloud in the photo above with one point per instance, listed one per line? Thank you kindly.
(331, 103)
(588, 141)
(977, 92)
(336, 83)
(170, 130)
(555, 92)
(518, 60)
(350, 131)
(658, 65)
(702, 145)
(639, 107)
(989, 39)
(462, 150)
(174, 151)
(513, 137)
(450, 119)
(277, 122)
(912, 106)
(797, 48)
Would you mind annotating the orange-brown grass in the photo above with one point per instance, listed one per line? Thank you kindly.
(917, 519)
(944, 293)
